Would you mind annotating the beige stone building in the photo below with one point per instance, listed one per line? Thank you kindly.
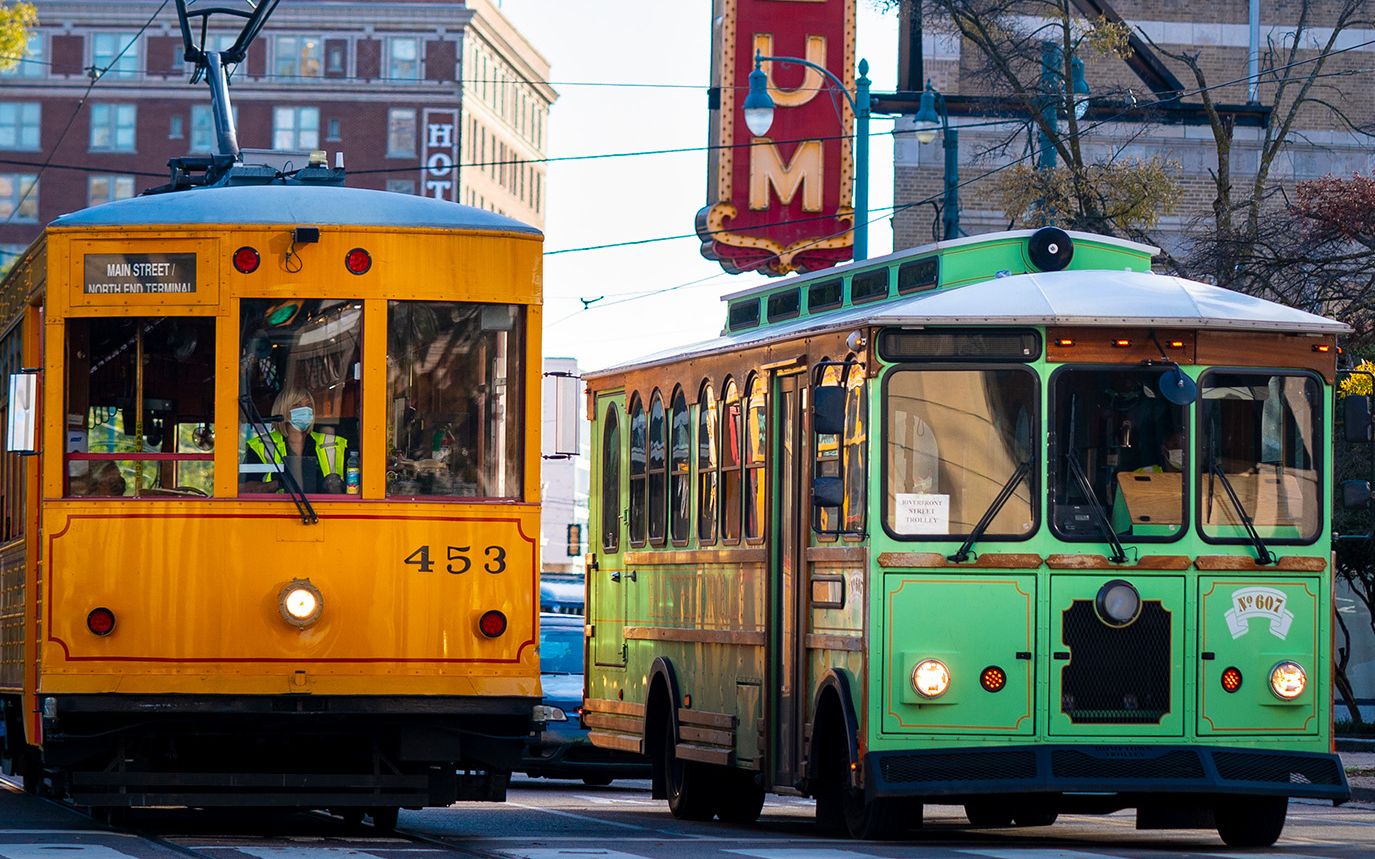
(1220, 34)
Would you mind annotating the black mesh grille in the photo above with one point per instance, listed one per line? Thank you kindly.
(1116, 675)
(1001, 765)
(1286, 769)
(1168, 766)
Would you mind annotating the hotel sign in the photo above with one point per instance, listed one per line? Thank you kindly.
(439, 155)
(782, 202)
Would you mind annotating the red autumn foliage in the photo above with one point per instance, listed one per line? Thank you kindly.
(1339, 207)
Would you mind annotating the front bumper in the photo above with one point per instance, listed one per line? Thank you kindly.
(555, 753)
(1104, 769)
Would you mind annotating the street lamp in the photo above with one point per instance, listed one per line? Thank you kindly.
(928, 122)
(1052, 84)
(759, 109)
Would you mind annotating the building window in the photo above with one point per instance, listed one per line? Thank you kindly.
(401, 186)
(401, 133)
(104, 189)
(112, 127)
(18, 204)
(19, 124)
(295, 128)
(334, 59)
(34, 64)
(176, 129)
(203, 128)
(107, 58)
(403, 58)
(335, 129)
(297, 56)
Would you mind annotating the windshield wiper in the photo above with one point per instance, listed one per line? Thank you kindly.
(298, 495)
(1119, 554)
(1263, 555)
(987, 519)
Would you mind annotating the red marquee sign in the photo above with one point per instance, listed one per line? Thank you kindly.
(781, 203)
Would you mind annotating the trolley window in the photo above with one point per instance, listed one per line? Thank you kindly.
(456, 374)
(731, 478)
(1259, 452)
(680, 474)
(743, 314)
(1118, 457)
(299, 393)
(869, 286)
(140, 406)
(953, 438)
(918, 275)
(756, 443)
(11, 467)
(658, 483)
(638, 478)
(611, 481)
(823, 295)
(706, 465)
(784, 305)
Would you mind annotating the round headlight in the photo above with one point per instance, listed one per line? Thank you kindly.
(1118, 603)
(930, 678)
(1288, 680)
(300, 603)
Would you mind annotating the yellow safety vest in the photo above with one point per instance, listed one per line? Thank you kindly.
(329, 452)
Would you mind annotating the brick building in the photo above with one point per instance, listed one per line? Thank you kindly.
(395, 86)
(1220, 34)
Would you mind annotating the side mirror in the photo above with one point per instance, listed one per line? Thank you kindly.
(828, 410)
(21, 434)
(828, 492)
(566, 418)
(1355, 494)
(1176, 387)
(1356, 418)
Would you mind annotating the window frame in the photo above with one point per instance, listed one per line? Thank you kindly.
(129, 64)
(299, 60)
(708, 526)
(24, 195)
(610, 537)
(1033, 480)
(22, 128)
(113, 114)
(389, 59)
(639, 482)
(730, 396)
(756, 392)
(297, 111)
(394, 115)
(1320, 465)
(680, 482)
(657, 475)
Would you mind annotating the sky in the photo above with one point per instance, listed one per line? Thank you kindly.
(665, 43)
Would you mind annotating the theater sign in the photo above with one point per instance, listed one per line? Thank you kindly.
(781, 203)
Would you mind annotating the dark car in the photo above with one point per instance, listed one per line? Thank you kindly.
(559, 748)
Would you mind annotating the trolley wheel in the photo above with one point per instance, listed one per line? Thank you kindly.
(987, 814)
(353, 817)
(741, 797)
(879, 819)
(1250, 821)
(1035, 817)
(384, 818)
(597, 780)
(690, 785)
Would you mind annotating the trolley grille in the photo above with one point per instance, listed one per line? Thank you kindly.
(1116, 675)
(999, 765)
(1286, 769)
(1175, 765)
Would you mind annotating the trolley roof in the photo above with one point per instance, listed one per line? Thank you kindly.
(302, 205)
(1083, 297)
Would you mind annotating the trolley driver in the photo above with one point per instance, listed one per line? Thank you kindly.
(315, 459)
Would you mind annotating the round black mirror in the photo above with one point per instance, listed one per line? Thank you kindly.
(1176, 387)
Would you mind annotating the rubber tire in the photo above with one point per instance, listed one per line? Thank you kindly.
(880, 820)
(352, 817)
(691, 789)
(1034, 817)
(597, 780)
(741, 797)
(830, 807)
(987, 815)
(384, 819)
(1250, 821)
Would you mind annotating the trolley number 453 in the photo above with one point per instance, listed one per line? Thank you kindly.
(459, 560)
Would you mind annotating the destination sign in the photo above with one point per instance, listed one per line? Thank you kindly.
(139, 274)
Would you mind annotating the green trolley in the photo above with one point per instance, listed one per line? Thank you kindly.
(1006, 522)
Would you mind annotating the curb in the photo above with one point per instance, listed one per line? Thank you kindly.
(1352, 744)
(1363, 794)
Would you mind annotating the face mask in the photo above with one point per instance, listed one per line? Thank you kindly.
(302, 417)
(1175, 459)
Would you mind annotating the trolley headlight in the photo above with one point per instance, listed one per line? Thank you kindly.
(1288, 680)
(930, 678)
(1117, 603)
(300, 603)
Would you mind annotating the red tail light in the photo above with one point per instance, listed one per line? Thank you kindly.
(101, 621)
(492, 624)
(246, 260)
(358, 261)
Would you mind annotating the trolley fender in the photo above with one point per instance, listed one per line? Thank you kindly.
(836, 682)
(661, 674)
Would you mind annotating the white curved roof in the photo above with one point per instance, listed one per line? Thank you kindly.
(1082, 298)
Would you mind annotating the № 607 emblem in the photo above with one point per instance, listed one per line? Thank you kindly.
(1259, 602)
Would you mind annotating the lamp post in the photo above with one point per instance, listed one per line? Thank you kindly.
(759, 110)
(932, 118)
(1051, 81)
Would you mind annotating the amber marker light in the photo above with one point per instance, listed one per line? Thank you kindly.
(1176, 344)
(492, 624)
(1121, 343)
(358, 261)
(1322, 347)
(993, 678)
(930, 678)
(1288, 680)
(101, 621)
(1231, 679)
(300, 603)
(1064, 342)
(246, 260)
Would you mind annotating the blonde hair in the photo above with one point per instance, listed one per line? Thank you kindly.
(288, 399)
